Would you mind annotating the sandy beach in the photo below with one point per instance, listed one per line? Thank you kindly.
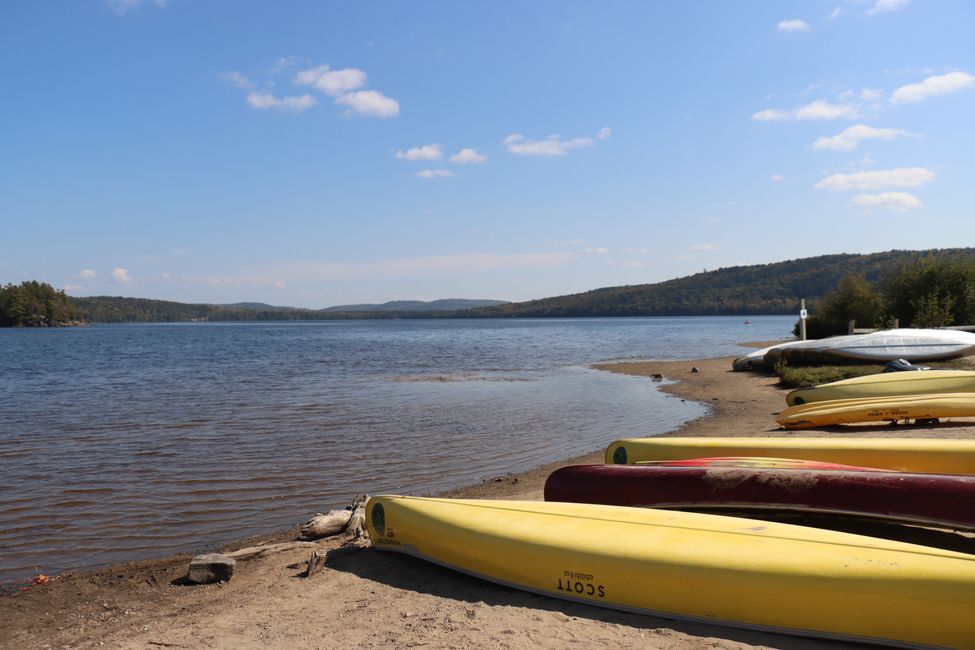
(364, 598)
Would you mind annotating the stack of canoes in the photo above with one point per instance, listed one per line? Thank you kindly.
(914, 345)
(694, 528)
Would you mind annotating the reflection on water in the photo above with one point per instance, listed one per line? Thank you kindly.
(125, 442)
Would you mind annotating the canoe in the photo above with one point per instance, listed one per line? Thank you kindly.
(760, 575)
(887, 384)
(878, 409)
(754, 461)
(941, 500)
(878, 347)
(921, 455)
(756, 360)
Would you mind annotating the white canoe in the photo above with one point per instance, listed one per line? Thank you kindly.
(878, 347)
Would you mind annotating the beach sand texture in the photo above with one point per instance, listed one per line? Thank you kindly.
(370, 599)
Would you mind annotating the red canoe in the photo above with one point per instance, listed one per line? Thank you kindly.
(945, 501)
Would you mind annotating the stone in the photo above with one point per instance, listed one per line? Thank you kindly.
(211, 567)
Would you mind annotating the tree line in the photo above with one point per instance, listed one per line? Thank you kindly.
(34, 304)
(933, 291)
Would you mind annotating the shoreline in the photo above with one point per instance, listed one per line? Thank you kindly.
(367, 598)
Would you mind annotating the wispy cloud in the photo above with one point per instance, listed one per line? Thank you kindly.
(820, 109)
(836, 13)
(604, 133)
(371, 103)
(121, 275)
(850, 139)
(705, 247)
(295, 104)
(297, 273)
(331, 82)
(87, 274)
(877, 180)
(553, 145)
(776, 178)
(793, 25)
(887, 6)
(932, 87)
(238, 80)
(426, 152)
(600, 250)
(896, 201)
(468, 156)
(435, 173)
(122, 7)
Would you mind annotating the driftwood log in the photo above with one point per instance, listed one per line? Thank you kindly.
(350, 520)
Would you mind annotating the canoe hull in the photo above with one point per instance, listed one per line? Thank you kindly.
(878, 409)
(888, 384)
(940, 500)
(919, 455)
(709, 568)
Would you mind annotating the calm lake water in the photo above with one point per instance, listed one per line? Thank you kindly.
(122, 442)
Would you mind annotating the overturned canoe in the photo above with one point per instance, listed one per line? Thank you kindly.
(760, 575)
(878, 409)
(942, 500)
(922, 455)
(878, 347)
(887, 384)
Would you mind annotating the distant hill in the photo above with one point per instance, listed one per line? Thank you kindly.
(740, 290)
(446, 304)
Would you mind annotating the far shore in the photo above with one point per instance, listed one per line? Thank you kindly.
(368, 599)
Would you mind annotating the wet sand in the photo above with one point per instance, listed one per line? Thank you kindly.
(368, 599)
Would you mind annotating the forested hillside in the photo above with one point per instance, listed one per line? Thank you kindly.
(758, 289)
(741, 290)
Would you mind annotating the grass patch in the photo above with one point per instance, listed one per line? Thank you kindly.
(806, 376)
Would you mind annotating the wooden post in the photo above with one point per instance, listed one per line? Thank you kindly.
(852, 325)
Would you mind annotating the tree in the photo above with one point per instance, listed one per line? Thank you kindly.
(854, 299)
(34, 303)
(933, 292)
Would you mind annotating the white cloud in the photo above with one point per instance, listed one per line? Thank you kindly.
(121, 275)
(468, 156)
(551, 146)
(849, 139)
(435, 173)
(823, 110)
(280, 285)
(238, 80)
(635, 264)
(604, 133)
(122, 7)
(87, 274)
(836, 13)
(775, 178)
(426, 152)
(72, 288)
(876, 180)
(820, 109)
(265, 101)
(897, 201)
(794, 25)
(370, 102)
(932, 87)
(871, 94)
(886, 6)
(705, 247)
(332, 82)
(771, 115)
(596, 251)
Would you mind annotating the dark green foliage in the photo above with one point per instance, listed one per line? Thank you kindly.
(805, 376)
(34, 304)
(933, 291)
(854, 299)
(742, 290)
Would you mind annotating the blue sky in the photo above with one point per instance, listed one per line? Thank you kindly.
(314, 154)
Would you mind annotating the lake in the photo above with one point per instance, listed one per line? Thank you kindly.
(122, 442)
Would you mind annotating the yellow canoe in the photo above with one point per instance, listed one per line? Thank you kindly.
(710, 568)
(878, 409)
(887, 384)
(924, 455)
